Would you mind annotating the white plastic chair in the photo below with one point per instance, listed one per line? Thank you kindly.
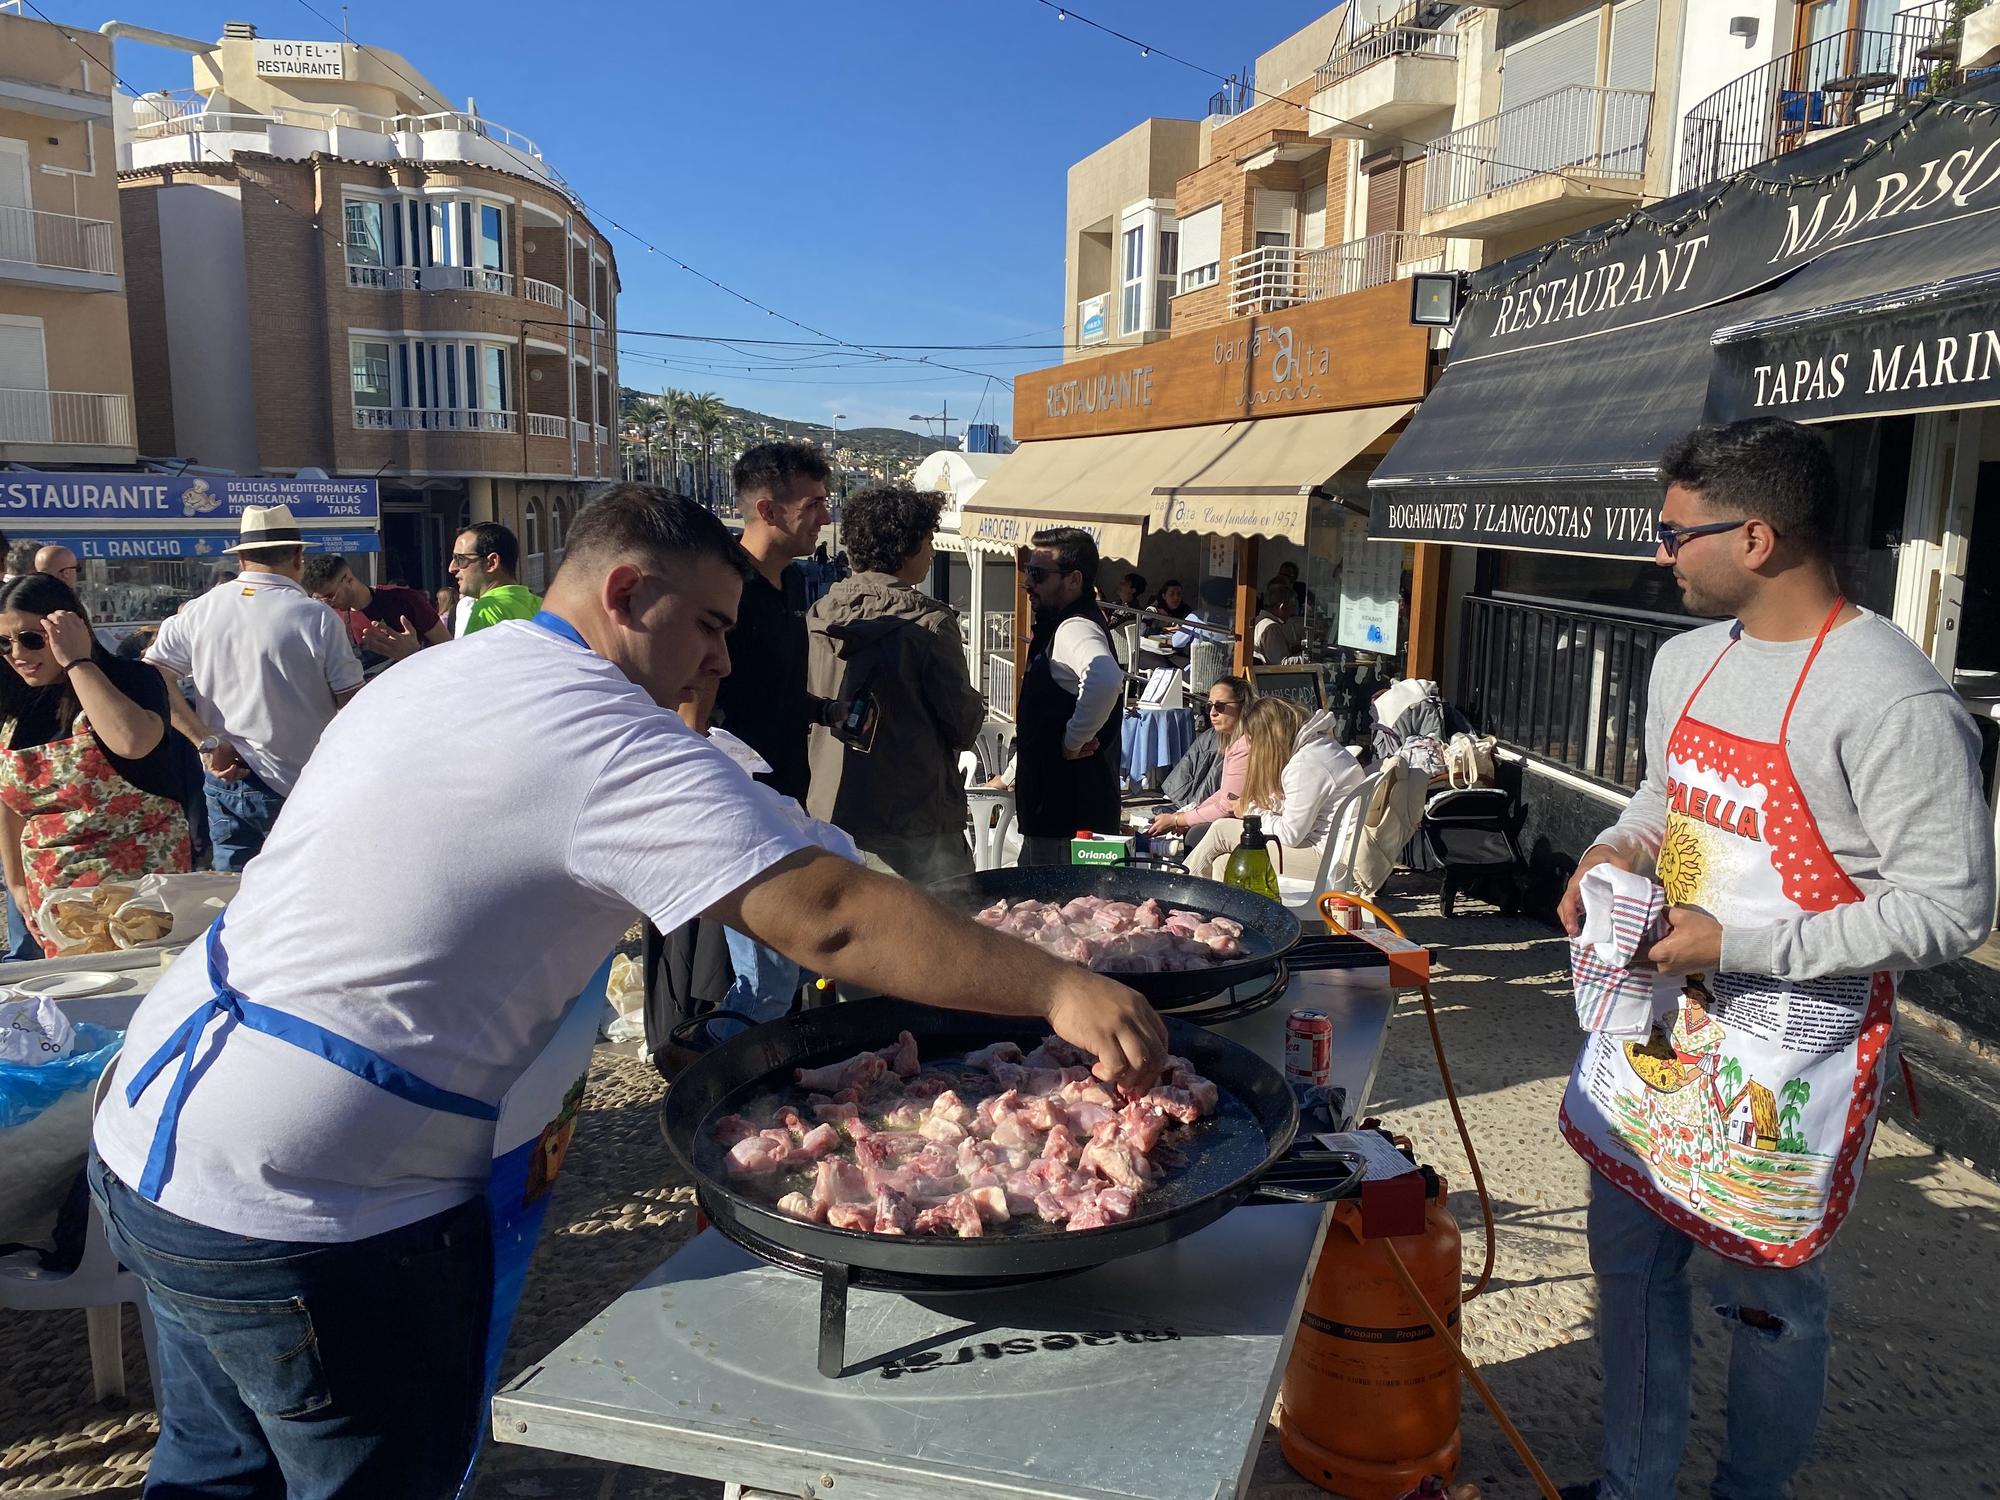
(992, 822)
(1343, 843)
(993, 746)
(98, 1285)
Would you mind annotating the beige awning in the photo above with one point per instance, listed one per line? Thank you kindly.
(1253, 478)
(1103, 485)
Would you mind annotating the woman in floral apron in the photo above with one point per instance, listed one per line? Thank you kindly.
(87, 773)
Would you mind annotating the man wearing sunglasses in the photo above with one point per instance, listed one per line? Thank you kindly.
(483, 560)
(1067, 749)
(1812, 806)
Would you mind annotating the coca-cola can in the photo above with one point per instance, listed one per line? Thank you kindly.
(1309, 1046)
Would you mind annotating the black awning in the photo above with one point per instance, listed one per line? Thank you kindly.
(1907, 322)
(1553, 449)
(1856, 275)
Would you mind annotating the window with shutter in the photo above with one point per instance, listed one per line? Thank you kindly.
(1413, 194)
(1382, 206)
(1201, 248)
(1312, 217)
(1531, 141)
(1635, 33)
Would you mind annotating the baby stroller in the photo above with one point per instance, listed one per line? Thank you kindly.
(1469, 834)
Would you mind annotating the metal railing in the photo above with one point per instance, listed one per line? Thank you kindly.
(1277, 276)
(1564, 685)
(579, 430)
(544, 292)
(541, 424)
(431, 279)
(1829, 84)
(432, 419)
(1592, 131)
(58, 242)
(93, 419)
(1000, 683)
(189, 113)
(601, 433)
(1384, 42)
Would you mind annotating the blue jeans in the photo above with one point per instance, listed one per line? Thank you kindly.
(310, 1371)
(21, 946)
(766, 980)
(1777, 1372)
(240, 815)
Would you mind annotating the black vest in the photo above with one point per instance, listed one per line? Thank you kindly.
(1055, 797)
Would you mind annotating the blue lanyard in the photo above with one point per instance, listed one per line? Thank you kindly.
(557, 625)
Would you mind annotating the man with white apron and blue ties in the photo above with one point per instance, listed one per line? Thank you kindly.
(1812, 805)
(295, 1146)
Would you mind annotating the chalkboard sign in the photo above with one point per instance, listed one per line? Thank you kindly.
(1304, 684)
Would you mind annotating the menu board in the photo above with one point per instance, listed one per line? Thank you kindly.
(1304, 685)
(1371, 589)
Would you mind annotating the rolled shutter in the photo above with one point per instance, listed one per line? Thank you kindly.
(1201, 239)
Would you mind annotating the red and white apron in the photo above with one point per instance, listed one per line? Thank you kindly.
(1746, 1122)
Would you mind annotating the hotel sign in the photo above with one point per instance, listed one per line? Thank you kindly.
(278, 59)
(1355, 350)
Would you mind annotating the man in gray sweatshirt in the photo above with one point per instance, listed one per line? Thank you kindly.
(1812, 805)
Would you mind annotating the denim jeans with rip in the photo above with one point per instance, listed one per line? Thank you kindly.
(1778, 1324)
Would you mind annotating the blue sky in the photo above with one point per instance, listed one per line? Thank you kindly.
(890, 171)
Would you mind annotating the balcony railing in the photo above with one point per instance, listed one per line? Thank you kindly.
(1276, 276)
(602, 434)
(88, 419)
(540, 424)
(1567, 686)
(165, 116)
(1829, 84)
(579, 430)
(432, 419)
(1385, 42)
(58, 242)
(1592, 131)
(431, 279)
(546, 293)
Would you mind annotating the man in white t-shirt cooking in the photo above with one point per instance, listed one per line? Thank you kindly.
(293, 1152)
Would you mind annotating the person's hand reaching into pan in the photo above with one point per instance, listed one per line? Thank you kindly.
(1115, 1025)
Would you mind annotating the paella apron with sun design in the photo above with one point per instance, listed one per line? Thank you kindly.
(1745, 1121)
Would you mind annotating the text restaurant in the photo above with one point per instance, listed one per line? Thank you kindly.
(1210, 460)
(1853, 282)
(150, 541)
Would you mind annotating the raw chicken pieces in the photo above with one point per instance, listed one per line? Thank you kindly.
(896, 1149)
(1118, 937)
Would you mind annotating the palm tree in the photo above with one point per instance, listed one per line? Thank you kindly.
(645, 415)
(675, 421)
(706, 414)
(1732, 1076)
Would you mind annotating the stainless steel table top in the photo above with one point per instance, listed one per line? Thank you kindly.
(1147, 1379)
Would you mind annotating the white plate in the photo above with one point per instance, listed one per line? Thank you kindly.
(70, 985)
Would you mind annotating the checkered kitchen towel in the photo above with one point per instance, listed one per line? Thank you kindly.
(1623, 914)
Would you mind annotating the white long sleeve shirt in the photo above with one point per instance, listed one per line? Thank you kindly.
(1081, 662)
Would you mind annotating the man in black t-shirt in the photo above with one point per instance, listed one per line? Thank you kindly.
(781, 488)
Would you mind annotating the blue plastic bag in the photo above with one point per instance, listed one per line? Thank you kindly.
(26, 1091)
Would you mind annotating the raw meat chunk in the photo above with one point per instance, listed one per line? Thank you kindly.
(819, 1141)
(902, 1058)
(799, 1206)
(859, 1216)
(836, 1180)
(893, 1214)
(763, 1152)
(861, 1069)
(986, 1057)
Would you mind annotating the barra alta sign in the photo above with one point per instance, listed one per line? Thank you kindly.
(1354, 350)
(28, 499)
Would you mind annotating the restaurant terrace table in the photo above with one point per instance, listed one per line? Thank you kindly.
(1154, 740)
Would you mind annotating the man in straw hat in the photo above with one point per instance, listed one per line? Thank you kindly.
(271, 666)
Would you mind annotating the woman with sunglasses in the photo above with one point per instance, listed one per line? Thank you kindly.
(88, 780)
(1228, 697)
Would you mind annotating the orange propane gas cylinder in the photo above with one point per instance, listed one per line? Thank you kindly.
(1371, 1394)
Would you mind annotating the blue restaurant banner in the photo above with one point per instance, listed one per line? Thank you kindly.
(27, 498)
(147, 545)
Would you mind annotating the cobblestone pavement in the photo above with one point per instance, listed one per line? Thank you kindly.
(1915, 1382)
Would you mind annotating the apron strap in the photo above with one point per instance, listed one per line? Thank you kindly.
(351, 1056)
(1826, 626)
